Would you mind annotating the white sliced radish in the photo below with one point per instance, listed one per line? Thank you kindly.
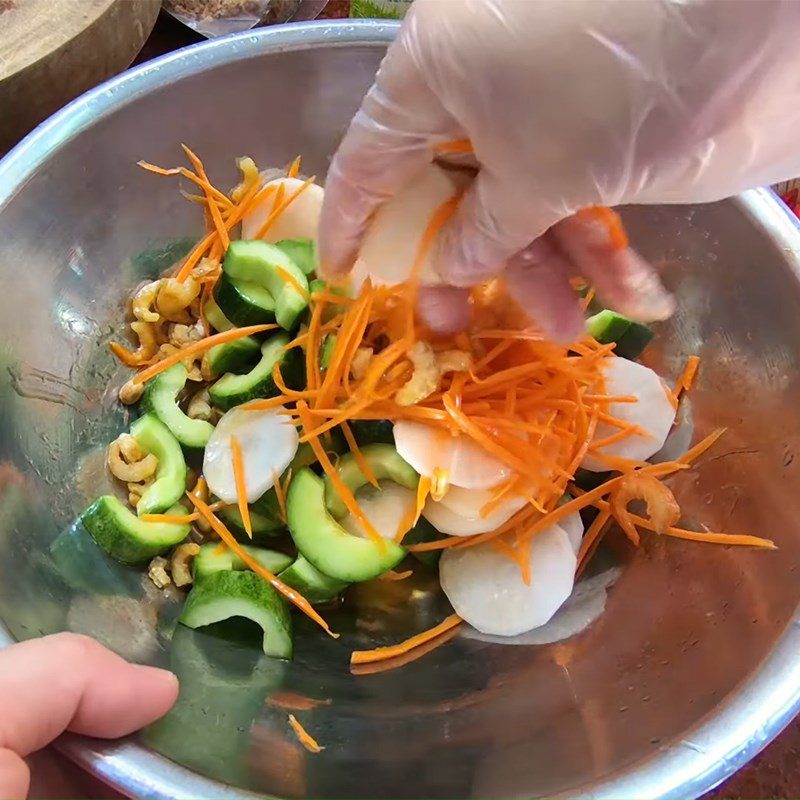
(392, 240)
(467, 463)
(652, 413)
(384, 508)
(268, 441)
(458, 513)
(299, 220)
(573, 527)
(486, 587)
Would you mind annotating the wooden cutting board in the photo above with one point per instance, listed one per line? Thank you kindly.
(53, 50)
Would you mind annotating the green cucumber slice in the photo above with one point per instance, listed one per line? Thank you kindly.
(216, 319)
(262, 525)
(170, 483)
(160, 397)
(122, 535)
(244, 303)
(209, 560)
(314, 585)
(237, 356)
(227, 594)
(233, 390)
(386, 464)
(328, 546)
(303, 252)
(631, 337)
(326, 350)
(261, 264)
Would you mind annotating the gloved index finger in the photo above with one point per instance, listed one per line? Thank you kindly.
(391, 138)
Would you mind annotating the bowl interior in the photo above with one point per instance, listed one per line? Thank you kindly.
(684, 627)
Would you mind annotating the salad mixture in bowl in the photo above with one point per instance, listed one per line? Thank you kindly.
(294, 437)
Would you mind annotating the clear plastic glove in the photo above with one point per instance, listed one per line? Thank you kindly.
(69, 682)
(569, 105)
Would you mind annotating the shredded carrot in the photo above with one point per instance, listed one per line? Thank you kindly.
(383, 653)
(303, 736)
(455, 146)
(616, 231)
(292, 701)
(376, 667)
(199, 347)
(216, 216)
(362, 462)
(391, 575)
(592, 536)
(294, 169)
(280, 495)
(686, 380)
(280, 205)
(671, 396)
(342, 489)
(228, 538)
(171, 519)
(410, 519)
(241, 486)
(289, 278)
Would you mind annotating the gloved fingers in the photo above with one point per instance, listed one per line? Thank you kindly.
(619, 275)
(391, 138)
(444, 309)
(489, 226)
(538, 278)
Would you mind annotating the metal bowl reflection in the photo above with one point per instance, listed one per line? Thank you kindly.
(692, 666)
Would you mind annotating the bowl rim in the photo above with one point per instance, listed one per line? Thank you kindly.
(744, 723)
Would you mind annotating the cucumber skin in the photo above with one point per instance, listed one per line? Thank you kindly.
(303, 252)
(386, 464)
(152, 401)
(422, 532)
(237, 356)
(328, 546)
(265, 606)
(170, 478)
(207, 562)
(314, 585)
(236, 308)
(292, 370)
(373, 431)
(264, 527)
(100, 519)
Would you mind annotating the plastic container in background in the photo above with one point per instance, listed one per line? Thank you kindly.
(379, 9)
(790, 194)
(212, 18)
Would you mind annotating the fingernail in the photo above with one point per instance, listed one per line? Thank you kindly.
(168, 680)
(648, 300)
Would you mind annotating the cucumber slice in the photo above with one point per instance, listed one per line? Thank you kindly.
(216, 319)
(244, 303)
(170, 483)
(373, 431)
(263, 526)
(314, 585)
(209, 560)
(386, 464)
(631, 337)
(233, 390)
(267, 266)
(328, 546)
(326, 350)
(124, 536)
(160, 397)
(227, 594)
(303, 252)
(237, 356)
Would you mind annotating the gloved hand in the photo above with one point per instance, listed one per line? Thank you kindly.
(569, 105)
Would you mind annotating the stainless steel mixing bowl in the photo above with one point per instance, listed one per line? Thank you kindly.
(693, 666)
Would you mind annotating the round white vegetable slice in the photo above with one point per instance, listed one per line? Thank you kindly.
(384, 508)
(486, 587)
(467, 464)
(458, 513)
(652, 413)
(392, 240)
(573, 527)
(299, 220)
(268, 441)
